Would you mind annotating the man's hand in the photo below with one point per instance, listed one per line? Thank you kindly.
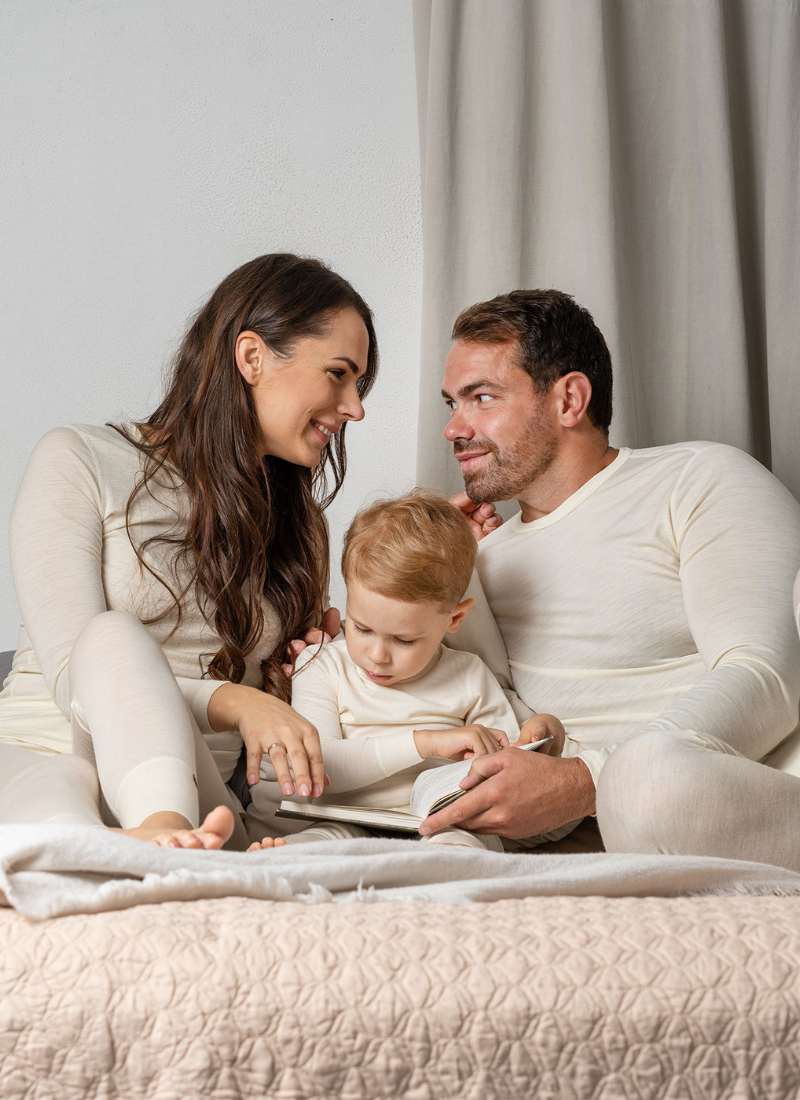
(482, 518)
(539, 727)
(518, 794)
(331, 624)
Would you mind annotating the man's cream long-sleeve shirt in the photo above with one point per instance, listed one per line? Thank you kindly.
(657, 596)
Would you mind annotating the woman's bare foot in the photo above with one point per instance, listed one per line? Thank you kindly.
(267, 842)
(168, 830)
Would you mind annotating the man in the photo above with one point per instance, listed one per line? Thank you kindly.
(643, 596)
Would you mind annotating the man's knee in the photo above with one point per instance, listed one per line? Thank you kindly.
(646, 784)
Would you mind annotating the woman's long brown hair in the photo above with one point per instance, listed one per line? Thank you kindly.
(256, 528)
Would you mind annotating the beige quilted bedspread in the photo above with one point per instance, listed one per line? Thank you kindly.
(542, 997)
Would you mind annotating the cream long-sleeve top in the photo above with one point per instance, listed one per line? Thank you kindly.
(367, 729)
(72, 559)
(656, 597)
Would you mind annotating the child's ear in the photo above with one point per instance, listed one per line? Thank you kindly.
(459, 614)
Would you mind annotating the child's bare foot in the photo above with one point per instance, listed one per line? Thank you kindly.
(169, 830)
(267, 842)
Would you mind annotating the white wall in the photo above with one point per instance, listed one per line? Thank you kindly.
(150, 147)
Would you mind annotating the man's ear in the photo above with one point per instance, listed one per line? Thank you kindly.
(459, 614)
(251, 355)
(573, 393)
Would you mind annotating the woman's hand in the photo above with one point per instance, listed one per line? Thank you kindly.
(539, 727)
(482, 518)
(270, 726)
(331, 625)
(461, 743)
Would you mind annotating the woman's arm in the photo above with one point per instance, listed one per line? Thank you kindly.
(57, 560)
(268, 723)
(56, 552)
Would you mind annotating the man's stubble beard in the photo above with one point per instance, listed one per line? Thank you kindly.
(512, 471)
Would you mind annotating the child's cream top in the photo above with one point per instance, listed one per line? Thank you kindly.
(367, 730)
(658, 596)
(72, 558)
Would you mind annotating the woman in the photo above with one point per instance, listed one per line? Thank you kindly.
(163, 568)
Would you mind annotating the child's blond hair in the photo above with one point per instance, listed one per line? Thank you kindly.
(414, 548)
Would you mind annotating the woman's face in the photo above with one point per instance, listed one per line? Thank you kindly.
(301, 402)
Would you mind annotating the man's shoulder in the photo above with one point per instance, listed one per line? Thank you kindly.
(680, 454)
(698, 463)
(702, 458)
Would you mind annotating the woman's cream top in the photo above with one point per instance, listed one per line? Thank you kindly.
(72, 558)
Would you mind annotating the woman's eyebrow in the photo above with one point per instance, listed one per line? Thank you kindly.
(465, 391)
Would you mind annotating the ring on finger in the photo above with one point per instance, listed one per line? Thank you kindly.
(276, 745)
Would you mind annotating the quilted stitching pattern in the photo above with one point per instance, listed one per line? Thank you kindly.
(550, 997)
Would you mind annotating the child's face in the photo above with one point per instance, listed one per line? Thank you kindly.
(392, 640)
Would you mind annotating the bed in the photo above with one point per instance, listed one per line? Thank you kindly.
(560, 996)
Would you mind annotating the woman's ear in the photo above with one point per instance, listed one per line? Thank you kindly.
(251, 353)
(459, 614)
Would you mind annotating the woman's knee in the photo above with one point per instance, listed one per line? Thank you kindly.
(108, 629)
(111, 641)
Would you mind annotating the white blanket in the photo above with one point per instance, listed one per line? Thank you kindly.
(48, 871)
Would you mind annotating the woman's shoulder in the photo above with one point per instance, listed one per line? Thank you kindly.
(102, 452)
(80, 439)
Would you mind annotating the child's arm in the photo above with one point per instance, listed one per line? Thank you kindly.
(356, 763)
(489, 722)
(492, 708)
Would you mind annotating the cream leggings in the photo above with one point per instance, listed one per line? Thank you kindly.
(682, 793)
(137, 748)
(339, 830)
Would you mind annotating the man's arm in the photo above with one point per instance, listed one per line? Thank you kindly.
(737, 531)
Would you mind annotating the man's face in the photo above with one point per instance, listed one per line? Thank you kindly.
(500, 428)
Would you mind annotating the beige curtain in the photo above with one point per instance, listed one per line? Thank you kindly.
(643, 155)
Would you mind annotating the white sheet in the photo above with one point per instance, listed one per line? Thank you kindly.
(48, 871)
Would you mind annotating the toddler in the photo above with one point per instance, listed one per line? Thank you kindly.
(389, 700)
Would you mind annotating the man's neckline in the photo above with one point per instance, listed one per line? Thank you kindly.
(586, 490)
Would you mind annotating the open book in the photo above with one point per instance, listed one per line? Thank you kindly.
(432, 791)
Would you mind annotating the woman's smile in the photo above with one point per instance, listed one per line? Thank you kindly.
(324, 432)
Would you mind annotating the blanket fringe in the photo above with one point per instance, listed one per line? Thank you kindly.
(317, 895)
(743, 889)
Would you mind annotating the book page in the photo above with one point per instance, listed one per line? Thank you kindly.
(438, 787)
(393, 820)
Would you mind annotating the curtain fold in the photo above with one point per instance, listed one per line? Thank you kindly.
(644, 157)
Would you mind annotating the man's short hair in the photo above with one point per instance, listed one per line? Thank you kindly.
(414, 548)
(554, 336)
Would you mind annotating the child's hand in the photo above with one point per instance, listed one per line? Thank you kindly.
(459, 744)
(539, 727)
